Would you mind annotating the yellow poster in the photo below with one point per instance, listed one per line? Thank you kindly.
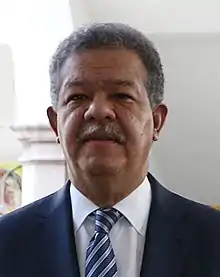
(10, 187)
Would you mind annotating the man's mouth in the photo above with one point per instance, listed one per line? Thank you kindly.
(100, 140)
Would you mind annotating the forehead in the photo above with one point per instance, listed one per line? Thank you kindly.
(104, 63)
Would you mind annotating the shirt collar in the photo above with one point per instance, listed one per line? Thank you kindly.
(136, 206)
(81, 207)
(140, 198)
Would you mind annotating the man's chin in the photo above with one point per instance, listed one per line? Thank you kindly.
(101, 167)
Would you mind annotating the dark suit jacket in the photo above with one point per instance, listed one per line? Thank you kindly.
(182, 240)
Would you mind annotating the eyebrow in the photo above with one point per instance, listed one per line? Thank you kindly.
(73, 82)
(120, 82)
(115, 82)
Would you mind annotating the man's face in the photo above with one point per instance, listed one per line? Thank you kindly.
(104, 119)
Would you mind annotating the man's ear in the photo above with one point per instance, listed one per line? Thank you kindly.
(159, 117)
(52, 116)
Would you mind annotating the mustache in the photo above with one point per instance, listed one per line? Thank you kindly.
(109, 131)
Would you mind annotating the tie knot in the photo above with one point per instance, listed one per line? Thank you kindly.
(105, 219)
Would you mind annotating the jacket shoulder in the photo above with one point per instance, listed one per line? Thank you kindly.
(202, 224)
(207, 219)
(23, 220)
(202, 214)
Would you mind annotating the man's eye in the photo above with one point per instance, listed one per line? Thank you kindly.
(78, 97)
(124, 96)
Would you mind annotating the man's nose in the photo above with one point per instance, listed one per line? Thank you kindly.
(100, 108)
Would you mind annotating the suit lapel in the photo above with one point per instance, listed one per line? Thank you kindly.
(56, 240)
(166, 239)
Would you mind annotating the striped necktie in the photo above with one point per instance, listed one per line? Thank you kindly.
(100, 257)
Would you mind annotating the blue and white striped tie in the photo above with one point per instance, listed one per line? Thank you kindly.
(100, 257)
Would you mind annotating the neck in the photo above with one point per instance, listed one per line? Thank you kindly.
(106, 191)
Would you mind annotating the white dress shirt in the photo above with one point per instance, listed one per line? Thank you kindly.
(127, 235)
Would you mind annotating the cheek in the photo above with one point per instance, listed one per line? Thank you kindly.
(141, 138)
(138, 126)
(148, 126)
(69, 123)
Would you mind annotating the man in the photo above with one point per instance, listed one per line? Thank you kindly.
(112, 218)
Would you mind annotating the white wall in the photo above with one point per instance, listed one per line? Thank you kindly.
(188, 152)
(10, 148)
(152, 16)
(7, 95)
